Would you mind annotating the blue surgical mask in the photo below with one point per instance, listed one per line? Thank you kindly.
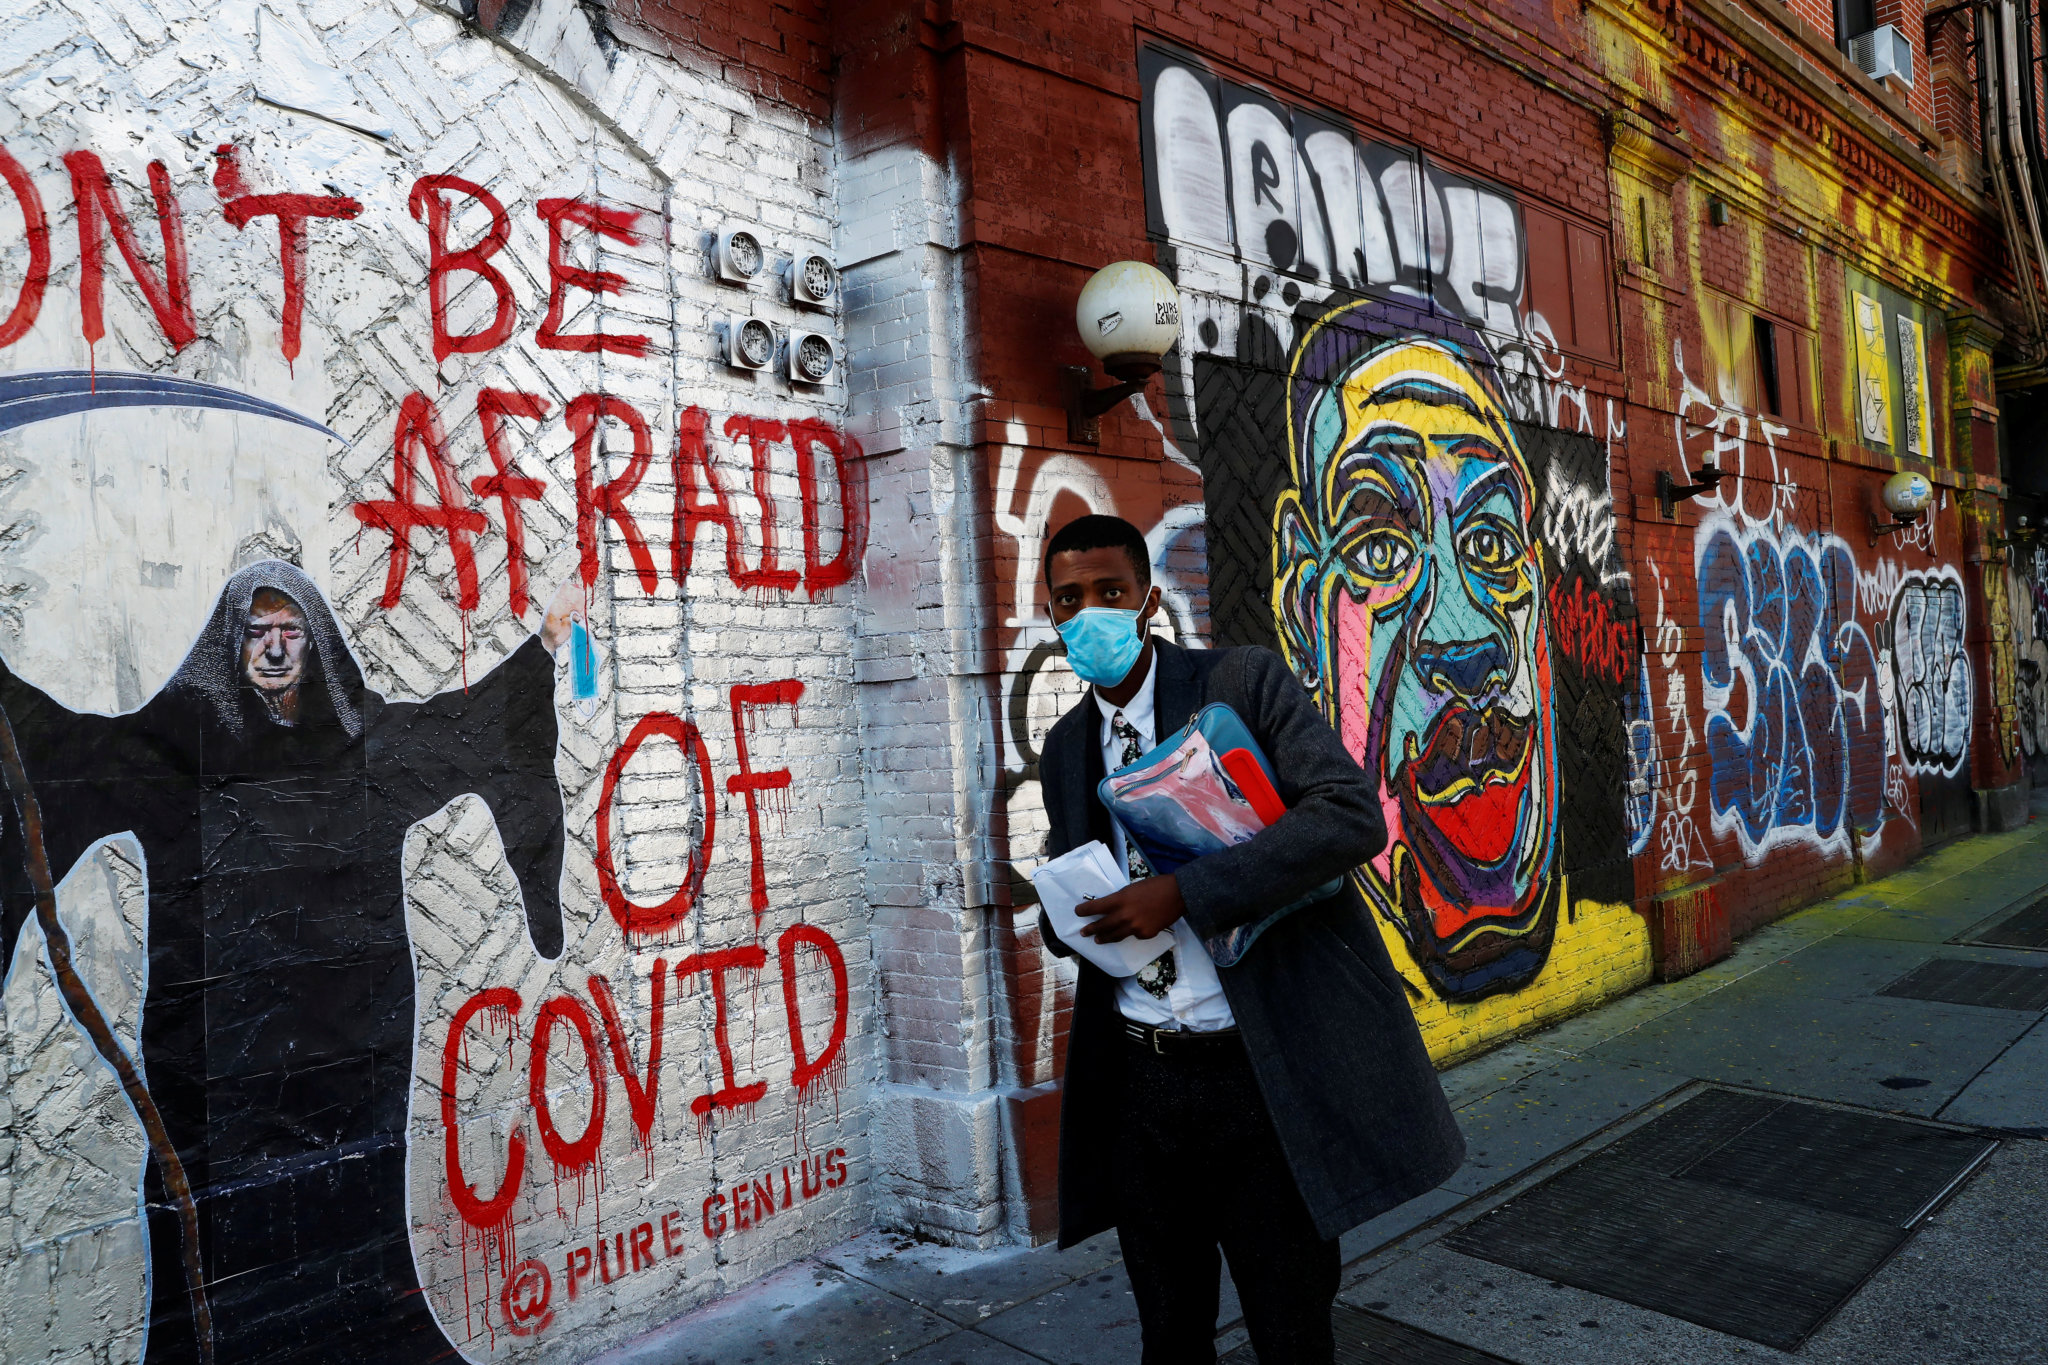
(1103, 644)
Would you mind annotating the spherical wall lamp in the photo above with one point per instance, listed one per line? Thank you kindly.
(1128, 316)
(1906, 495)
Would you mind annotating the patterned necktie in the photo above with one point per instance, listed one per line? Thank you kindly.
(1158, 975)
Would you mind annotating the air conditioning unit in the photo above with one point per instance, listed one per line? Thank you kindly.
(813, 283)
(813, 358)
(1884, 52)
(749, 344)
(739, 254)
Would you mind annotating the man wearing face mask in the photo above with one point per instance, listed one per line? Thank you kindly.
(1262, 1108)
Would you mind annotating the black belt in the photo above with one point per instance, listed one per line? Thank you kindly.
(1168, 1042)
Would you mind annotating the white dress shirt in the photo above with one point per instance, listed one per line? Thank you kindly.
(1195, 1000)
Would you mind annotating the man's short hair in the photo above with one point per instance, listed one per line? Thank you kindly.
(1097, 532)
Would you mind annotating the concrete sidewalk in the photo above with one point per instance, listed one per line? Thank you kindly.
(1795, 1010)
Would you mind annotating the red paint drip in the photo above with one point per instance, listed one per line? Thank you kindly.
(830, 1064)
(832, 1077)
(749, 783)
(487, 1222)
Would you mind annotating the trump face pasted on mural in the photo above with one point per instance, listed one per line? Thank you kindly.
(271, 793)
(1409, 595)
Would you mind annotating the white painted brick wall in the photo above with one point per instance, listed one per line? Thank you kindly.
(136, 80)
(936, 1124)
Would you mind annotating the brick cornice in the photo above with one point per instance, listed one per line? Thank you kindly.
(1719, 51)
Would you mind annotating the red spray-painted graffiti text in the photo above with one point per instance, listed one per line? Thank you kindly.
(700, 500)
(528, 1294)
(1585, 629)
(573, 1155)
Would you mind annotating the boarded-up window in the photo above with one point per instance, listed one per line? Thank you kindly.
(1757, 363)
(1570, 282)
(1784, 359)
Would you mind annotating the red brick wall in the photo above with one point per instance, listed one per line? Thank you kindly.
(1909, 16)
(779, 49)
(1034, 113)
(1819, 15)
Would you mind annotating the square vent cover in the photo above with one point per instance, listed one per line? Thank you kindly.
(1749, 1214)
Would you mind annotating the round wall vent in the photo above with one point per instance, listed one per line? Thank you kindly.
(756, 343)
(815, 279)
(744, 250)
(814, 358)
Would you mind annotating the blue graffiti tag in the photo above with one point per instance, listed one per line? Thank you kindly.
(1795, 726)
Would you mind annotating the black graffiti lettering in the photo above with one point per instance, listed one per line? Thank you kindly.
(1265, 176)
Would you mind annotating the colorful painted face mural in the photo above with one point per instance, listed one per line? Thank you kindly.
(1432, 541)
(1408, 587)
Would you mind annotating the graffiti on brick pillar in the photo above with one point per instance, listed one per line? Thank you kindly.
(2027, 594)
(2019, 649)
(1931, 688)
(1035, 492)
(400, 948)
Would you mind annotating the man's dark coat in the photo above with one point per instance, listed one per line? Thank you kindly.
(1324, 1015)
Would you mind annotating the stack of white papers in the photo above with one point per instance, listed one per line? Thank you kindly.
(1084, 874)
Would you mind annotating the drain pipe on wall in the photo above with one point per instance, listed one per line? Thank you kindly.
(2012, 148)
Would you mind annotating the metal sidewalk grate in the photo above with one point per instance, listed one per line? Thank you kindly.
(1369, 1339)
(2026, 927)
(1992, 985)
(1747, 1214)
(1839, 1161)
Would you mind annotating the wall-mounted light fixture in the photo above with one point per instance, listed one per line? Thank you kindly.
(2022, 535)
(1906, 495)
(1129, 318)
(1717, 211)
(1670, 494)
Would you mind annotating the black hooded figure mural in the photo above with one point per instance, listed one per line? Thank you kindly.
(271, 793)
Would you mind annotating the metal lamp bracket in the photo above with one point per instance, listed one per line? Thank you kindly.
(1085, 403)
(1670, 494)
(1880, 529)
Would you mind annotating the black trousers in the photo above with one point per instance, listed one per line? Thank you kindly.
(1198, 1167)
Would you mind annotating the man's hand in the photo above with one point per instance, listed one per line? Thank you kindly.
(1140, 910)
(567, 607)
